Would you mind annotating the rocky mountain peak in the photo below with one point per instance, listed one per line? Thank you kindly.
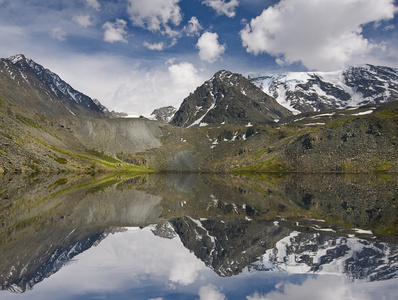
(164, 114)
(29, 84)
(107, 113)
(17, 58)
(316, 91)
(228, 98)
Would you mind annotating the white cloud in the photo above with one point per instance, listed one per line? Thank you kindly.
(389, 27)
(209, 47)
(115, 32)
(210, 292)
(321, 34)
(193, 28)
(94, 4)
(323, 287)
(155, 46)
(223, 6)
(58, 33)
(140, 92)
(155, 15)
(185, 78)
(83, 20)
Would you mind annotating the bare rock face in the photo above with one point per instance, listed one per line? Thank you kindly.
(108, 113)
(164, 114)
(30, 85)
(228, 98)
(316, 91)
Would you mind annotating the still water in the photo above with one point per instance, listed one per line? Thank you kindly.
(199, 236)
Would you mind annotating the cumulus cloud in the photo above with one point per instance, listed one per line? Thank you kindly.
(223, 7)
(322, 287)
(193, 28)
(124, 84)
(94, 4)
(155, 15)
(209, 48)
(167, 86)
(210, 292)
(58, 33)
(184, 77)
(83, 20)
(155, 46)
(321, 34)
(115, 32)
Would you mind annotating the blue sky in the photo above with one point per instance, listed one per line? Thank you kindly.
(138, 55)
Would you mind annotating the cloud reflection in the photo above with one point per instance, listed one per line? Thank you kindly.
(138, 264)
(330, 287)
(210, 292)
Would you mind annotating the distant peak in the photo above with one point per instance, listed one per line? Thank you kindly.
(223, 73)
(16, 58)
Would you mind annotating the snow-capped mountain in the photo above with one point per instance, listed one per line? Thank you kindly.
(229, 247)
(228, 98)
(355, 258)
(29, 84)
(163, 114)
(316, 91)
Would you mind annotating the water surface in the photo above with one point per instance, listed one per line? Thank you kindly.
(199, 236)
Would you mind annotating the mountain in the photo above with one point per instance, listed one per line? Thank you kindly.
(316, 91)
(228, 98)
(275, 246)
(164, 114)
(24, 82)
(45, 254)
(227, 247)
(107, 113)
(357, 259)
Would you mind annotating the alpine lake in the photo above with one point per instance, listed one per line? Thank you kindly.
(199, 236)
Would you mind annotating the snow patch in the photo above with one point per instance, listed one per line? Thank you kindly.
(363, 113)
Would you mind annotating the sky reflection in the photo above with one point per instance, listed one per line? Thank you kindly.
(136, 264)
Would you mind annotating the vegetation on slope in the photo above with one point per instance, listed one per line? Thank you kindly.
(28, 144)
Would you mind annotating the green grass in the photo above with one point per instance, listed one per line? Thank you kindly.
(27, 122)
(100, 159)
(103, 156)
(60, 160)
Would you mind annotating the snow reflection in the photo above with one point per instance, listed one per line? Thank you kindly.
(137, 264)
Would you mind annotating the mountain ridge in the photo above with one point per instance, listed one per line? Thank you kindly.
(42, 90)
(316, 91)
(228, 98)
(253, 133)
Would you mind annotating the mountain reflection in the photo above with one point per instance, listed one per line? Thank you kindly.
(232, 226)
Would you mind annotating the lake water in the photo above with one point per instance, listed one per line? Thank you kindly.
(199, 236)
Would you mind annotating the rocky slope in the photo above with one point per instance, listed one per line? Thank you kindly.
(29, 84)
(348, 140)
(164, 114)
(107, 113)
(316, 91)
(359, 140)
(36, 143)
(228, 98)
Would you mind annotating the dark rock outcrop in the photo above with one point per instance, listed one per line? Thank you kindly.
(228, 98)
(30, 85)
(316, 91)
